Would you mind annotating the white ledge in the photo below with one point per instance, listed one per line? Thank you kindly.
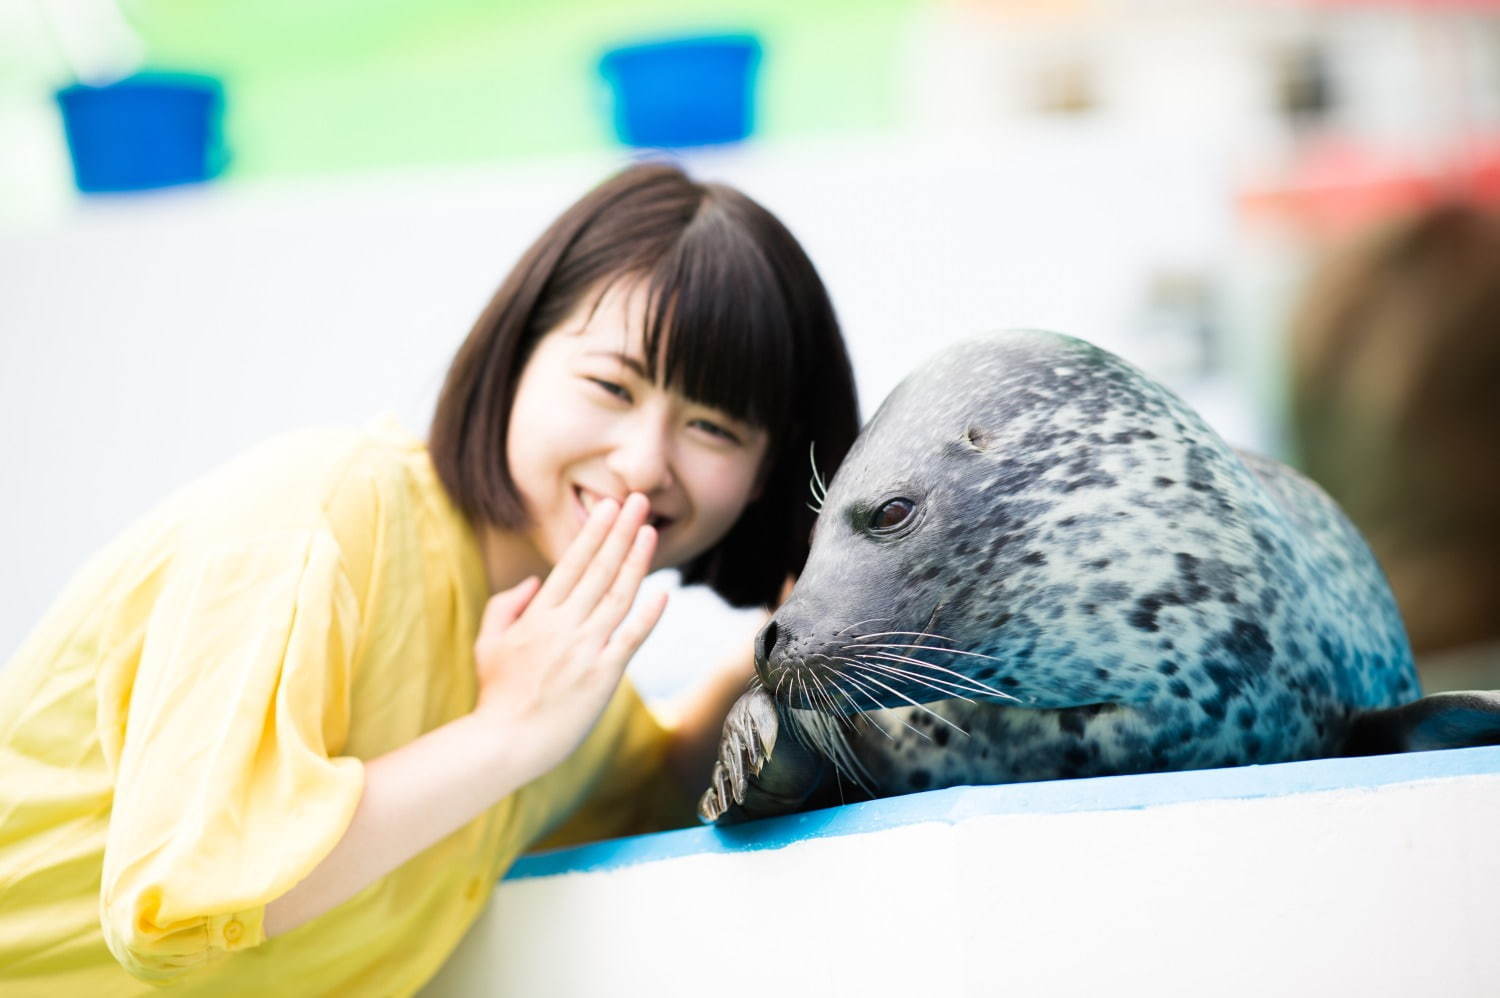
(1371, 876)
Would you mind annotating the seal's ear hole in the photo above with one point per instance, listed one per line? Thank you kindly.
(978, 439)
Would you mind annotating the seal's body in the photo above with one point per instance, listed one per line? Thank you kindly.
(1037, 563)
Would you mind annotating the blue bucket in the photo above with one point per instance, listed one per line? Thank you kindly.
(684, 91)
(145, 131)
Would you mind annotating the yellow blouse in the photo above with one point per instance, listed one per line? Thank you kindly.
(182, 736)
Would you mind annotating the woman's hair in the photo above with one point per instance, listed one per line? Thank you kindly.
(749, 330)
(1395, 402)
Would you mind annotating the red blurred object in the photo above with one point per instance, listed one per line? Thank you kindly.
(1410, 4)
(1337, 186)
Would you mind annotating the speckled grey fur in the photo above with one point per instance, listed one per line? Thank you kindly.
(1150, 598)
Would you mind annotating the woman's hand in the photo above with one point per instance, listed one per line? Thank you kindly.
(549, 657)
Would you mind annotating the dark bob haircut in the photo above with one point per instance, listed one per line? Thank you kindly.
(748, 330)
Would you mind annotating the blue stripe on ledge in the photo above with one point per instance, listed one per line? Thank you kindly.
(1106, 793)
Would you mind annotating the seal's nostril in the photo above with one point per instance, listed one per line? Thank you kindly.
(764, 642)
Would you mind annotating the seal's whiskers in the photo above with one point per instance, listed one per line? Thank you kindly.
(816, 485)
(920, 680)
(867, 620)
(949, 690)
(946, 651)
(887, 634)
(932, 619)
(821, 485)
(922, 707)
(822, 696)
(972, 685)
(861, 688)
(858, 712)
(828, 738)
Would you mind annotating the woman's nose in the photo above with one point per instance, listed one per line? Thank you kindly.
(642, 457)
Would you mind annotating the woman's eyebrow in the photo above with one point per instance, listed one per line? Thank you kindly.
(626, 359)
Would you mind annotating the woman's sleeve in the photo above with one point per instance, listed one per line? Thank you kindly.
(229, 788)
(635, 792)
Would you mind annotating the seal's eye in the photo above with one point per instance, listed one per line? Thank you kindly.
(891, 515)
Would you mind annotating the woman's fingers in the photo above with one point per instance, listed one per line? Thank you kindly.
(570, 567)
(610, 556)
(629, 635)
(503, 608)
(615, 604)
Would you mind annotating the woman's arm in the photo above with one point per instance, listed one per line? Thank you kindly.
(413, 797)
(433, 786)
(697, 719)
(548, 659)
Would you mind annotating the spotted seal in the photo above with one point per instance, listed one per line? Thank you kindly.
(1037, 563)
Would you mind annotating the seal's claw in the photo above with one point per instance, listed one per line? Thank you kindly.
(759, 774)
(714, 802)
(749, 739)
(721, 785)
(709, 807)
(734, 763)
(757, 715)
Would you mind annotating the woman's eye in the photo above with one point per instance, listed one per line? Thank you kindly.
(892, 514)
(717, 430)
(617, 390)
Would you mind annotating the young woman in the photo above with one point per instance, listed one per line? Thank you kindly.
(285, 733)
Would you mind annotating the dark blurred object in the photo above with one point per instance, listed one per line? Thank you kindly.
(145, 131)
(682, 92)
(1395, 406)
(1304, 87)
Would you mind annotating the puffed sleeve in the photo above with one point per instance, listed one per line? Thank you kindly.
(229, 788)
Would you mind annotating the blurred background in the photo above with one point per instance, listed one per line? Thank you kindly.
(221, 221)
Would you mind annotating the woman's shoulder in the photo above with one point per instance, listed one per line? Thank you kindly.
(370, 487)
(377, 472)
(389, 514)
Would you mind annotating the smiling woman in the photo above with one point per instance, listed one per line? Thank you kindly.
(316, 703)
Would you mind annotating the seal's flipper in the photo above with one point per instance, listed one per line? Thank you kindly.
(761, 770)
(1440, 721)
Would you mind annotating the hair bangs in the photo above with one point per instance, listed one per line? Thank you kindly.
(717, 326)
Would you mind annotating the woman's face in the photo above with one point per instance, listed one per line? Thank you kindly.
(587, 423)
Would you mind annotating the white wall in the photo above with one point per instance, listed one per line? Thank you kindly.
(145, 339)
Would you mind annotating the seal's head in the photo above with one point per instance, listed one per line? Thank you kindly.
(1029, 519)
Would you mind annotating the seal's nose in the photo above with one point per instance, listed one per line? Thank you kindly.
(765, 643)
